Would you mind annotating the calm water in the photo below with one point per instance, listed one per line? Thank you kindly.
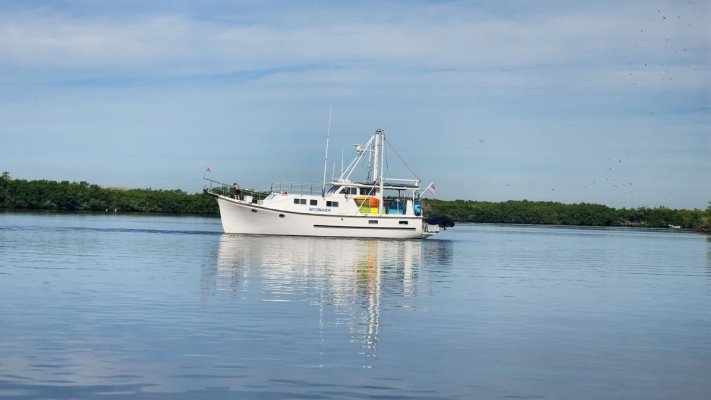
(114, 307)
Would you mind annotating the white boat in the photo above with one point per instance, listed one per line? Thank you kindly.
(377, 207)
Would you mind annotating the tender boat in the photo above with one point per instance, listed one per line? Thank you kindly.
(376, 207)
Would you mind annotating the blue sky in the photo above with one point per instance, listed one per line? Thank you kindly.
(606, 102)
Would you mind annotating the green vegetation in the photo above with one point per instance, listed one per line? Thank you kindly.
(18, 194)
(584, 214)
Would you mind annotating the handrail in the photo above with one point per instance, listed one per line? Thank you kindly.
(214, 181)
(224, 189)
(300, 188)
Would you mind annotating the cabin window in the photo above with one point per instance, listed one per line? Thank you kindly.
(373, 221)
(299, 201)
(281, 215)
(349, 190)
(403, 222)
(331, 204)
(313, 202)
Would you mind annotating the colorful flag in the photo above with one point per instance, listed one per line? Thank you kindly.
(431, 189)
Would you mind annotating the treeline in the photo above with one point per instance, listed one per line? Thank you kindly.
(584, 214)
(21, 194)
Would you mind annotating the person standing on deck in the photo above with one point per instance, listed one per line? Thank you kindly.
(238, 191)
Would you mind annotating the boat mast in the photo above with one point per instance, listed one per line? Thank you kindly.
(379, 163)
(376, 156)
(325, 161)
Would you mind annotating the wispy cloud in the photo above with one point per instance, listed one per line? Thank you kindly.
(425, 35)
(551, 77)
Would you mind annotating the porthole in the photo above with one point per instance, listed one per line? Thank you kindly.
(281, 215)
(254, 211)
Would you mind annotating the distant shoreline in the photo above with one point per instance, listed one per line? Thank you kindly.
(105, 213)
(83, 197)
(559, 214)
(217, 216)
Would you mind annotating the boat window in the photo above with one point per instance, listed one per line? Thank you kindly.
(331, 204)
(373, 221)
(349, 190)
(299, 201)
(368, 191)
(313, 202)
(333, 189)
(403, 222)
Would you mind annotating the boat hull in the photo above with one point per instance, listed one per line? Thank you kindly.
(248, 218)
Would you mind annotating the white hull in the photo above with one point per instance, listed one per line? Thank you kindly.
(248, 218)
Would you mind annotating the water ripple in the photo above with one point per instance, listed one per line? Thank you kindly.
(135, 307)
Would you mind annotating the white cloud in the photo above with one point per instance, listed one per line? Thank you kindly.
(415, 36)
(590, 77)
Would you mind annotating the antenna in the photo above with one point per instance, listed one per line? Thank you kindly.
(325, 161)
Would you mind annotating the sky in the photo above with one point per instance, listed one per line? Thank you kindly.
(573, 101)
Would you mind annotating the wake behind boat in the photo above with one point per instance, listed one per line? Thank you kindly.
(376, 207)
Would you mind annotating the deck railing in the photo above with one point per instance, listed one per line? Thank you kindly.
(298, 188)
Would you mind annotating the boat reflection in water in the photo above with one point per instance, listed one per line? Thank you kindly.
(346, 281)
